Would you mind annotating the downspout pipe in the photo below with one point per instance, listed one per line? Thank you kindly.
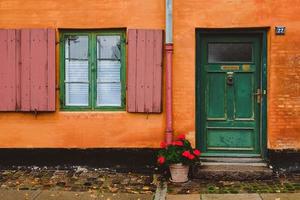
(169, 60)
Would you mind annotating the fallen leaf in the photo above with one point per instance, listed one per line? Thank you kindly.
(113, 189)
(146, 188)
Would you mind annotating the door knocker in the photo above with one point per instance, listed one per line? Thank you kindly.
(229, 79)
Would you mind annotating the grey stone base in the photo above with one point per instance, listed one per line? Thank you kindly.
(231, 172)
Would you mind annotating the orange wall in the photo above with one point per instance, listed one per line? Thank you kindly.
(81, 129)
(121, 129)
(283, 59)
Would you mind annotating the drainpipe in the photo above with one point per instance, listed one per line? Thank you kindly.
(169, 55)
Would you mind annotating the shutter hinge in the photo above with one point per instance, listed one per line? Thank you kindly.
(35, 113)
(124, 100)
(61, 101)
(61, 40)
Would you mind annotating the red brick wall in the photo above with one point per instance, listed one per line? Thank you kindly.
(283, 59)
(284, 89)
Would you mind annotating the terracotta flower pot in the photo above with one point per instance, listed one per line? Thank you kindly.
(179, 172)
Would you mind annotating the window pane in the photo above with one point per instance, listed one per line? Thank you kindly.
(76, 71)
(77, 94)
(109, 94)
(108, 71)
(108, 47)
(76, 47)
(229, 52)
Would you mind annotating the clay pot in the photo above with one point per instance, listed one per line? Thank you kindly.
(179, 172)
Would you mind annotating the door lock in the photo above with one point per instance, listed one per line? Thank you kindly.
(258, 95)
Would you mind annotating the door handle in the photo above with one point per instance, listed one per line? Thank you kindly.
(258, 95)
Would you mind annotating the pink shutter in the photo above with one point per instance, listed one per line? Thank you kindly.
(157, 73)
(8, 70)
(38, 70)
(131, 70)
(25, 70)
(144, 86)
(27, 77)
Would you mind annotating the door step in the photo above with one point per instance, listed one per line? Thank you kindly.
(218, 168)
(258, 162)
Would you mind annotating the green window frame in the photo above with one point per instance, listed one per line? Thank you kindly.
(92, 69)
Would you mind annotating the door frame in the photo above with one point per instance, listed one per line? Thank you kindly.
(263, 82)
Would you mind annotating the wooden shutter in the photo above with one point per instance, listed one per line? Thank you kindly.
(34, 69)
(8, 70)
(38, 70)
(144, 77)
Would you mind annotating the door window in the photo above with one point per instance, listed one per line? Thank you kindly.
(229, 52)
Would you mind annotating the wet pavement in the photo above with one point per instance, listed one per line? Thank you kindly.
(69, 195)
(288, 196)
(77, 179)
(110, 184)
(277, 184)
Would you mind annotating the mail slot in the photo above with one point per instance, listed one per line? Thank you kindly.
(230, 67)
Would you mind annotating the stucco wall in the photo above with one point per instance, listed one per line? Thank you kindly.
(121, 129)
(81, 129)
(283, 59)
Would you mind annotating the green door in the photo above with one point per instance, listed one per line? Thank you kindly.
(230, 94)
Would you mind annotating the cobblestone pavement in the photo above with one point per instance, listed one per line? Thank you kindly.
(99, 183)
(76, 179)
(280, 184)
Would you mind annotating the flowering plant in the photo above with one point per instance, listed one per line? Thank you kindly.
(180, 151)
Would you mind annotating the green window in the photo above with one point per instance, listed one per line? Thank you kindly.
(92, 70)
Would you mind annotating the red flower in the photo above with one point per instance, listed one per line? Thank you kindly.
(197, 152)
(181, 136)
(161, 160)
(178, 143)
(163, 144)
(191, 157)
(186, 154)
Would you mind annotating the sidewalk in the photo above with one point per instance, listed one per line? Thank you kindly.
(287, 196)
(108, 184)
(68, 195)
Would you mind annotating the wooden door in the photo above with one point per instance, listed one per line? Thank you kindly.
(230, 94)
